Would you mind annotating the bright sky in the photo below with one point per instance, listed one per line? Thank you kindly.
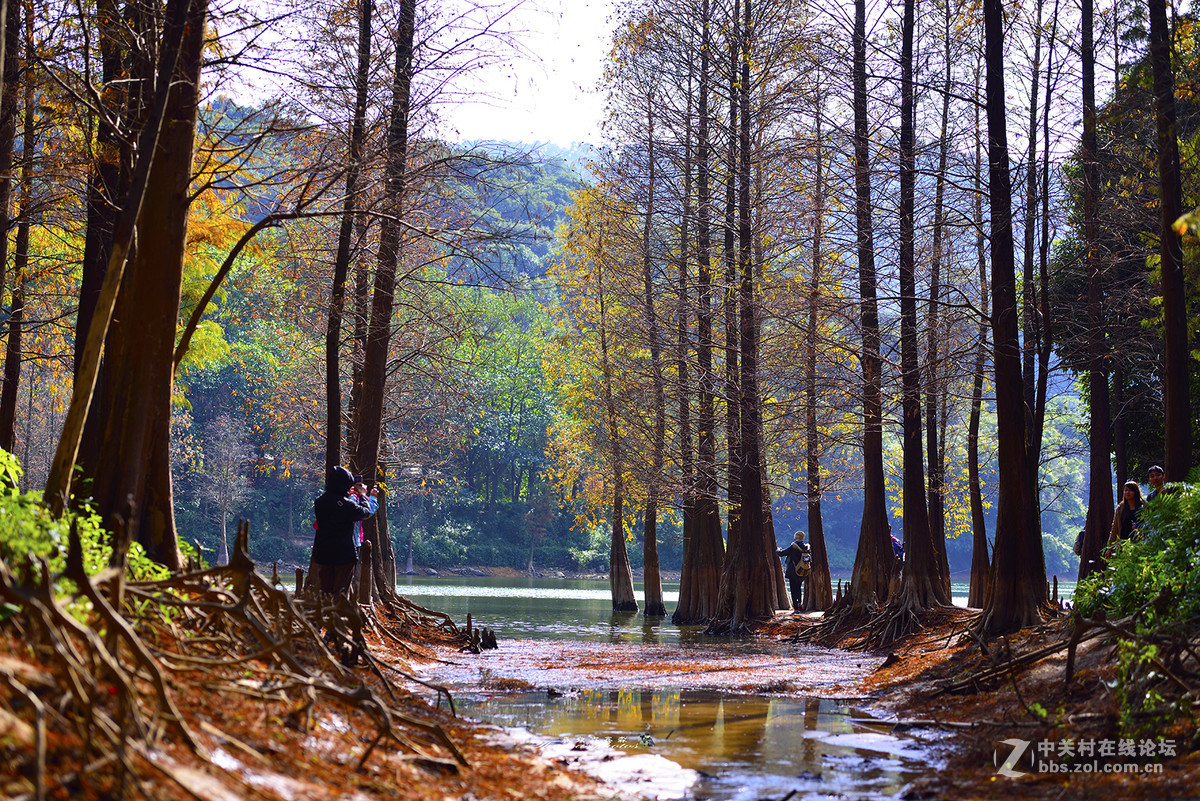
(549, 94)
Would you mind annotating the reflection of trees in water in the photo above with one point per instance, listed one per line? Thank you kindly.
(812, 710)
(715, 729)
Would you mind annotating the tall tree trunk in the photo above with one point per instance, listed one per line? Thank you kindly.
(1045, 328)
(874, 564)
(652, 582)
(105, 193)
(3, 48)
(1177, 368)
(179, 20)
(820, 586)
(729, 296)
(135, 499)
(683, 304)
(620, 574)
(10, 74)
(706, 559)
(13, 354)
(748, 584)
(362, 298)
(922, 586)
(1029, 287)
(1018, 565)
(369, 414)
(980, 580)
(337, 298)
(935, 384)
(782, 596)
(1100, 496)
(108, 187)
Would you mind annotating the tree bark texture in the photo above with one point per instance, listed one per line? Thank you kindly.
(369, 414)
(1018, 565)
(682, 317)
(182, 18)
(922, 586)
(1100, 496)
(729, 296)
(704, 563)
(874, 564)
(1031, 328)
(341, 267)
(135, 498)
(1177, 367)
(10, 69)
(652, 582)
(935, 383)
(748, 584)
(819, 596)
(980, 576)
(13, 354)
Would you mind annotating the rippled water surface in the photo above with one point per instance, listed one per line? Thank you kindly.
(660, 711)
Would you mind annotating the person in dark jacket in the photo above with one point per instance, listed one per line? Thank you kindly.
(1157, 480)
(799, 562)
(335, 546)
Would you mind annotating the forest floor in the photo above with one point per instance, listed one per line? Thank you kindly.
(263, 751)
(1074, 744)
(261, 745)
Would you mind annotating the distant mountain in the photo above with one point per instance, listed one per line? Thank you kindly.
(574, 156)
(521, 192)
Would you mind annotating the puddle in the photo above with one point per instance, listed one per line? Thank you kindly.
(672, 744)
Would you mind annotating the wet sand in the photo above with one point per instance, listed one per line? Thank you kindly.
(740, 666)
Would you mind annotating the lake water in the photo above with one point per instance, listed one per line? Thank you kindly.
(551, 609)
(661, 711)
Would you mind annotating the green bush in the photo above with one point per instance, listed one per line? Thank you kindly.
(1158, 570)
(1152, 580)
(28, 533)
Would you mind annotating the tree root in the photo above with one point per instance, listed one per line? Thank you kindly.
(115, 679)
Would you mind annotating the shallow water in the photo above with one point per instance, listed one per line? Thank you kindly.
(673, 744)
(660, 711)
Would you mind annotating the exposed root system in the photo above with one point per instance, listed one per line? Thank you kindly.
(128, 688)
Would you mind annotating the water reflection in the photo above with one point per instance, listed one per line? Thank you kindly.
(562, 609)
(737, 746)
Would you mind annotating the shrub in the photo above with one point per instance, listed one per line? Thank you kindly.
(1152, 580)
(28, 532)
(1159, 569)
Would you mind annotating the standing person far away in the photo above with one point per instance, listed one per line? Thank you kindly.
(1157, 478)
(1126, 513)
(799, 563)
(335, 550)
